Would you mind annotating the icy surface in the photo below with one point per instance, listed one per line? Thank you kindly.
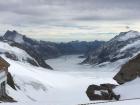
(130, 34)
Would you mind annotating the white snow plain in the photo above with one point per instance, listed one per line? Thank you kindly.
(65, 85)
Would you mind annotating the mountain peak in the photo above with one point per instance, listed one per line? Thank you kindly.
(13, 36)
(8, 32)
(123, 36)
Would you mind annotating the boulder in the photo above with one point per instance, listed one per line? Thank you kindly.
(102, 92)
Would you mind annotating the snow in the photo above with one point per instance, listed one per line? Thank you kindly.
(20, 54)
(66, 85)
(129, 35)
(3, 76)
(129, 94)
(132, 45)
(130, 89)
(18, 38)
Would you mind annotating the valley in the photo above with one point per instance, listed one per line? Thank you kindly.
(64, 79)
(65, 85)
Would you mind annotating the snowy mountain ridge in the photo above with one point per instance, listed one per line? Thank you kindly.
(14, 36)
(41, 50)
(129, 35)
(124, 45)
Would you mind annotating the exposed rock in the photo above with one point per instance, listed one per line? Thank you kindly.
(10, 81)
(129, 71)
(108, 86)
(41, 47)
(49, 50)
(11, 56)
(14, 57)
(7, 99)
(32, 62)
(78, 47)
(14, 36)
(33, 54)
(102, 92)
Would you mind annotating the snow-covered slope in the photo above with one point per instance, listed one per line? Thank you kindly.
(19, 54)
(129, 89)
(39, 86)
(129, 35)
(66, 85)
(124, 45)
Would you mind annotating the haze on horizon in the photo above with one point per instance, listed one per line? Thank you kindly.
(67, 20)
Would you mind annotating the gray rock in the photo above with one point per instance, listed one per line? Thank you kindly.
(102, 92)
(129, 71)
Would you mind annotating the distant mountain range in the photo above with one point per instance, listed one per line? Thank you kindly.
(124, 45)
(43, 50)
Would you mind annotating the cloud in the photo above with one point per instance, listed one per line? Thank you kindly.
(53, 14)
(64, 10)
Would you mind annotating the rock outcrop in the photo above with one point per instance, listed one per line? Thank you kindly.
(10, 81)
(129, 71)
(102, 92)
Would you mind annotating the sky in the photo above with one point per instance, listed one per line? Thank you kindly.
(67, 20)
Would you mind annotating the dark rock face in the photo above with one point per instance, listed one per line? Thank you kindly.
(129, 71)
(26, 44)
(7, 99)
(78, 47)
(45, 50)
(14, 57)
(33, 54)
(10, 35)
(11, 56)
(102, 92)
(111, 50)
(32, 62)
(10, 81)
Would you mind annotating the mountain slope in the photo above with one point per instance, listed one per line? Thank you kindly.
(39, 46)
(18, 54)
(50, 49)
(29, 46)
(125, 45)
(42, 50)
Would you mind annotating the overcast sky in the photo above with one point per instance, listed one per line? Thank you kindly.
(66, 20)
